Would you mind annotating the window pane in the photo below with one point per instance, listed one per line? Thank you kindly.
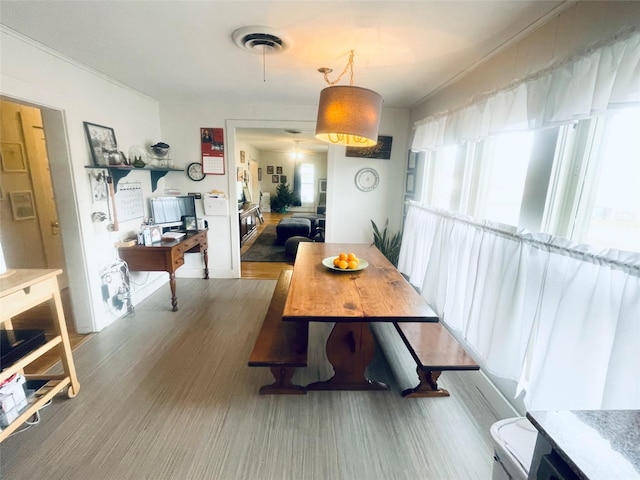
(507, 159)
(307, 183)
(442, 184)
(614, 220)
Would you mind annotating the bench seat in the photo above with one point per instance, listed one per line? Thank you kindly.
(281, 346)
(430, 346)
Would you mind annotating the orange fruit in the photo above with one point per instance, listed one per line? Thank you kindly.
(353, 264)
(336, 261)
(343, 256)
(352, 256)
(343, 265)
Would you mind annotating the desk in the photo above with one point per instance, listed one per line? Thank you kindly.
(20, 291)
(351, 299)
(167, 256)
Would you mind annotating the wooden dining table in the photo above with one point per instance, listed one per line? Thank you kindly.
(352, 299)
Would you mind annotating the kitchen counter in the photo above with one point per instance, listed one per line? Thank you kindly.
(593, 444)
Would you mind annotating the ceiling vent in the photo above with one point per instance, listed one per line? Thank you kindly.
(260, 39)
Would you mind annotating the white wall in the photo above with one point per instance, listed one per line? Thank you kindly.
(349, 210)
(72, 94)
(575, 29)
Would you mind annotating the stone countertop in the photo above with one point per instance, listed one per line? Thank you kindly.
(596, 444)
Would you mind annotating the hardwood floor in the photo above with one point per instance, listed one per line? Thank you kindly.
(169, 395)
(262, 270)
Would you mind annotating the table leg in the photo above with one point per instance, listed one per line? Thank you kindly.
(205, 253)
(174, 297)
(350, 348)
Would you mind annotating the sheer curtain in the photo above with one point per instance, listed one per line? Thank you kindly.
(604, 77)
(559, 319)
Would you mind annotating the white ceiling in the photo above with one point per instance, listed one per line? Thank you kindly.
(183, 50)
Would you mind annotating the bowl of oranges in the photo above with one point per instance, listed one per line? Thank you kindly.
(345, 262)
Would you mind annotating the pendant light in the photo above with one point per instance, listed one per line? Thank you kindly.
(348, 115)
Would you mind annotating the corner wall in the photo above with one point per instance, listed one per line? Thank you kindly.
(69, 94)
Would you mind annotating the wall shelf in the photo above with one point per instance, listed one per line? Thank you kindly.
(119, 172)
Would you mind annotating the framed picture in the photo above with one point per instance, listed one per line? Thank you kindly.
(22, 206)
(322, 185)
(279, 170)
(259, 174)
(381, 150)
(103, 144)
(269, 169)
(189, 223)
(411, 180)
(12, 157)
(275, 178)
(242, 158)
(283, 179)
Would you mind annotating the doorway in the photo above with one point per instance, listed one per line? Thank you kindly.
(30, 231)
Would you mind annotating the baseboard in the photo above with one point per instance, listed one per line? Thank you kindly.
(501, 406)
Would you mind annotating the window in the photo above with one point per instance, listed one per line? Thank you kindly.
(307, 182)
(580, 181)
(608, 194)
(504, 161)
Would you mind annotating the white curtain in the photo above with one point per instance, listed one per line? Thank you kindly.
(559, 319)
(602, 78)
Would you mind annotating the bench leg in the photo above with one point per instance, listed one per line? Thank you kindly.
(283, 384)
(428, 386)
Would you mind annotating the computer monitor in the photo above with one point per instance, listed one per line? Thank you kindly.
(173, 212)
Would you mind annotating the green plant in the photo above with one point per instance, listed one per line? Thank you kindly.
(283, 198)
(388, 244)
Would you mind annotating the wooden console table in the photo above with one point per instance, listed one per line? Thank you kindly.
(20, 291)
(167, 256)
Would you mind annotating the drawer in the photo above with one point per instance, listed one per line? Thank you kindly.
(22, 300)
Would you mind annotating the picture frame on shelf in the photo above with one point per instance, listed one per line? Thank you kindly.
(189, 223)
(103, 145)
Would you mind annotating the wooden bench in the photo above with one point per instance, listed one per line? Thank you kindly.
(282, 346)
(431, 347)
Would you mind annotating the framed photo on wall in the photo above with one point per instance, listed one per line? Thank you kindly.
(275, 178)
(22, 206)
(259, 174)
(103, 144)
(279, 170)
(269, 169)
(283, 179)
(322, 185)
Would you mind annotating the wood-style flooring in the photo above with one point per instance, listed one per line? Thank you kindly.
(262, 270)
(169, 395)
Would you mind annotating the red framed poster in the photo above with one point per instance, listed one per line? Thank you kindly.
(212, 145)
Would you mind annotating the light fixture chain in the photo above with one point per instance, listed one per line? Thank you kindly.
(349, 67)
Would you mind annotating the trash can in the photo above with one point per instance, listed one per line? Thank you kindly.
(514, 441)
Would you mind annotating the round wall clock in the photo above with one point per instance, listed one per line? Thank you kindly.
(194, 170)
(367, 179)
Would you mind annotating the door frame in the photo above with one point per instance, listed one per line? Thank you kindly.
(62, 178)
